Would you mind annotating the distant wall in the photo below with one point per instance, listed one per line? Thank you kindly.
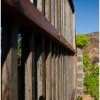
(79, 72)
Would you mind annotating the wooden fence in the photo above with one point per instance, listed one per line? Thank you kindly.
(47, 70)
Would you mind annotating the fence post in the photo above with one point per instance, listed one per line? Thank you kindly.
(56, 71)
(9, 66)
(58, 15)
(53, 71)
(52, 12)
(47, 9)
(27, 64)
(48, 70)
(59, 73)
(40, 64)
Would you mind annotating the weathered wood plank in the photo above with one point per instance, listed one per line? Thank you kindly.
(28, 78)
(53, 71)
(65, 17)
(48, 10)
(27, 63)
(53, 12)
(68, 21)
(57, 71)
(48, 70)
(9, 68)
(39, 5)
(60, 93)
(58, 15)
(62, 74)
(61, 17)
(34, 18)
(40, 58)
(30, 68)
(65, 74)
(74, 31)
(32, 45)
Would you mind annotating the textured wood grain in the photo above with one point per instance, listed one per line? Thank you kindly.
(39, 5)
(48, 70)
(61, 21)
(35, 18)
(47, 57)
(9, 68)
(53, 71)
(60, 93)
(57, 71)
(40, 57)
(47, 9)
(53, 12)
(29, 68)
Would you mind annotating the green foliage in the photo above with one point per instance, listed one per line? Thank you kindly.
(92, 84)
(79, 98)
(82, 40)
(87, 63)
(91, 79)
(19, 47)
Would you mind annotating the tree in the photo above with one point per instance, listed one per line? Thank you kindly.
(82, 40)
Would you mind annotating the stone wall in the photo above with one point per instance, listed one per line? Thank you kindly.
(79, 72)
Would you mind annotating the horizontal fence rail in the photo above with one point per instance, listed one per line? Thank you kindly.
(46, 67)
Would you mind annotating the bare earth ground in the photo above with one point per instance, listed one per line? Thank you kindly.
(87, 97)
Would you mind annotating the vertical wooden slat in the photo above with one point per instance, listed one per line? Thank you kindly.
(40, 69)
(58, 15)
(71, 21)
(27, 63)
(64, 72)
(47, 9)
(28, 78)
(55, 12)
(53, 72)
(65, 22)
(61, 17)
(60, 74)
(9, 68)
(41, 6)
(73, 28)
(48, 70)
(56, 71)
(32, 45)
(66, 35)
(52, 12)
(67, 76)
(66, 57)
(68, 21)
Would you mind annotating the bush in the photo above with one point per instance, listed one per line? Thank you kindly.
(79, 98)
(87, 63)
(82, 40)
(91, 79)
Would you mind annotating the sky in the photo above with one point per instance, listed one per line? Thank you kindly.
(86, 16)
